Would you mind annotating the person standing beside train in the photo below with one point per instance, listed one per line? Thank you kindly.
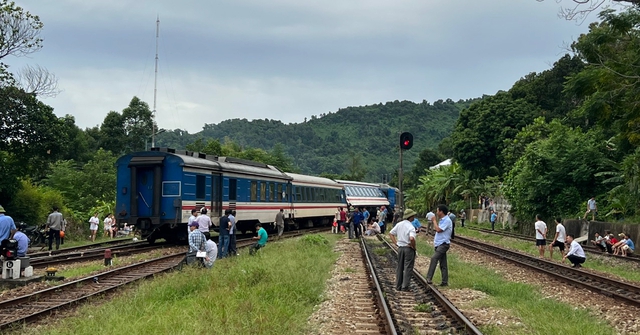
(194, 215)
(342, 221)
(357, 222)
(280, 222)
(93, 226)
(233, 251)
(223, 239)
(204, 222)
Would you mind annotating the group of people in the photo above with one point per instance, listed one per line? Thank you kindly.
(202, 249)
(109, 227)
(8, 230)
(358, 220)
(561, 239)
(610, 244)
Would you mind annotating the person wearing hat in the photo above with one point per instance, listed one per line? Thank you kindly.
(197, 242)
(7, 226)
(403, 235)
(441, 241)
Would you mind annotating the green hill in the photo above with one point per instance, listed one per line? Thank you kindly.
(329, 142)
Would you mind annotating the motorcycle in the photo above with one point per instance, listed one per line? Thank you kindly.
(36, 234)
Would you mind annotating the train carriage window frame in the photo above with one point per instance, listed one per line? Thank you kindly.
(201, 187)
(279, 192)
(287, 193)
(254, 191)
(272, 192)
(233, 189)
(263, 191)
(171, 189)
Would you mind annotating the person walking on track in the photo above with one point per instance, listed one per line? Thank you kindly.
(280, 222)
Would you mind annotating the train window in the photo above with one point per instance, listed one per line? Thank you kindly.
(201, 183)
(233, 189)
(274, 196)
(254, 190)
(287, 193)
(263, 191)
(298, 194)
(309, 191)
(279, 192)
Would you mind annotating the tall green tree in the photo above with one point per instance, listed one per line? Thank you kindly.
(138, 125)
(557, 173)
(482, 129)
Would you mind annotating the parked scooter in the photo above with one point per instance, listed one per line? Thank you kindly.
(36, 235)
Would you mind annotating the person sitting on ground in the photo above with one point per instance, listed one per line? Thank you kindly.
(629, 247)
(22, 239)
(611, 241)
(262, 239)
(575, 255)
(334, 226)
(374, 229)
(599, 242)
(617, 248)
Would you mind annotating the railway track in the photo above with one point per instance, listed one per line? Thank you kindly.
(98, 245)
(609, 287)
(93, 254)
(422, 310)
(30, 307)
(587, 248)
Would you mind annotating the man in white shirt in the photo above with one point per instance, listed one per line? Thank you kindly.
(541, 233)
(600, 242)
(559, 239)
(193, 217)
(204, 223)
(431, 219)
(592, 208)
(575, 255)
(403, 235)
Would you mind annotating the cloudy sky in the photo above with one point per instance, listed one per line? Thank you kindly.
(288, 59)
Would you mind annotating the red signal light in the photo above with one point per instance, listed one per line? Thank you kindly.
(406, 141)
(9, 254)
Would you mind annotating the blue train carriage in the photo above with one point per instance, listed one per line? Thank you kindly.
(158, 189)
(391, 193)
(366, 195)
(315, 201)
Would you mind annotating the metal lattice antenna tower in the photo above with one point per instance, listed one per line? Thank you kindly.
(155, 88)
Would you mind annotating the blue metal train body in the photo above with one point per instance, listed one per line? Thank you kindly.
(157, 189)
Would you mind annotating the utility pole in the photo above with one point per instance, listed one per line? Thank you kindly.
(155, 88)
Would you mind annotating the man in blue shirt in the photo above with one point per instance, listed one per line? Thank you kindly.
(416, 224)
(7, 226)
(262, 239)
(357, 222)
(441, 241)
(494, 216)
(23, 243)
(629, 248)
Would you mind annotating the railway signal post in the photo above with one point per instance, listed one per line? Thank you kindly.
(406, 142)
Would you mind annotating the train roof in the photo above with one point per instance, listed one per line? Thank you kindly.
(304, 179)
(200, 160)
(357, 183)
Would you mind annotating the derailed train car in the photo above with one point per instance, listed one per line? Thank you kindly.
(157, 189)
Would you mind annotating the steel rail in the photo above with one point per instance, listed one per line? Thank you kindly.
(606, 286)
(18, 307)
(389, 322)
(587, 248)
(469, 327)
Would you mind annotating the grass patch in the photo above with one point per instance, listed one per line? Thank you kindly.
(598, 263)
(526, 302)
(273, 292)
(380, 251)
(349, 270)
(423, 308)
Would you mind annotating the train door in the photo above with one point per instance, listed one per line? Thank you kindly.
(233, 193)
(144, 188)
(216, 195)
